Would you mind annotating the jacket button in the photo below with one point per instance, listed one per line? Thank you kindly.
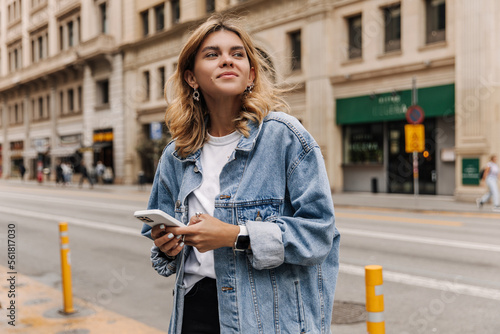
(196, 170)
(178, 204)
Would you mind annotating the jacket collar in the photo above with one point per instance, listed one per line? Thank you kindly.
(245, 143)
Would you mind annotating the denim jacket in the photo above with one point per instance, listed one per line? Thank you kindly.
(275, 183)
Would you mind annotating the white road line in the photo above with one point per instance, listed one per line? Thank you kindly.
(426, 282)
(421, 240)
(74, 202)
(73, 221)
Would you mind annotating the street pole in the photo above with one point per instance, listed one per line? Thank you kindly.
(414, 101)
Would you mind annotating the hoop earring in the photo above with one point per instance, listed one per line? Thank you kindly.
(248, 90)
(196, 95)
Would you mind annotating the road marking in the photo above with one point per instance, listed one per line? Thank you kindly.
(73, 221)
(68, 201)
(398, 219)
(421, 240)
(426, 282)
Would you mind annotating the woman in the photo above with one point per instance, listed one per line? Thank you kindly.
(260, 254)
(491, 177)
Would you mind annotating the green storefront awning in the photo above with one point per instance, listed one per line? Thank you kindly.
(435, 101)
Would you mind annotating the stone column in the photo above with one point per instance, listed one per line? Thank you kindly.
(476, 86)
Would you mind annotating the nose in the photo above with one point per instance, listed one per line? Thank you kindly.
(227, 61)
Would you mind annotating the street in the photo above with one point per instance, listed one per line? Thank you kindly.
(440, 268)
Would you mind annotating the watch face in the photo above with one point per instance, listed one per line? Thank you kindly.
(242, 242)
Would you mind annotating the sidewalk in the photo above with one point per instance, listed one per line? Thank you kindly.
(345, 199)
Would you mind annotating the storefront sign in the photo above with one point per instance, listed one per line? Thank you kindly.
(437, 101)
(470, 171)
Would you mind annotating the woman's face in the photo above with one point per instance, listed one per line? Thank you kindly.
(221, 67)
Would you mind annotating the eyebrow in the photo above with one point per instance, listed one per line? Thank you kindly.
(216, 48)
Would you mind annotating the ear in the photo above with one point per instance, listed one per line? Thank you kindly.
(190, 79)
(251, 77)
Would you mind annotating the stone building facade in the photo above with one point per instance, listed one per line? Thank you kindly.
(87, 76)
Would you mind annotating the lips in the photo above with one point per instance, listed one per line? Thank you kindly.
(227, 74)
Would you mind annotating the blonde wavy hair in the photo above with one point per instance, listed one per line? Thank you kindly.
(188, 120)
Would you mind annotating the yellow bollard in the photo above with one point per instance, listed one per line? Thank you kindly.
(374, 299)
(66, 269)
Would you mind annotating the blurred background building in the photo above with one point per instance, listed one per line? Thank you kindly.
(85, 78)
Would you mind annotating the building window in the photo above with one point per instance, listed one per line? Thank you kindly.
(70, 33)
(295, 50)
(16, 114)
(71, 101)
(176, 11)
(39, 46)
(436, 20)
(104, 17)
(392, 17)
(146, 82)
(15, 56)
(161, 81)
(103, 92)
(61, 103)
(355, 40)
(210, 6)
(145, 23)
(363, 144)
(61, 38)
(79, 90)
(40, 108)
(48, 106)
(160, 17)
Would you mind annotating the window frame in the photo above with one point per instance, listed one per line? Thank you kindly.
(354, 51)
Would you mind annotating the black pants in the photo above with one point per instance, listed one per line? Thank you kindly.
(201, 309)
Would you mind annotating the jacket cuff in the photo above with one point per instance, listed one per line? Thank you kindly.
(161, 263)
(267, 245)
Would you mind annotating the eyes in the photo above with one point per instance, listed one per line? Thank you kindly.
(215, 54)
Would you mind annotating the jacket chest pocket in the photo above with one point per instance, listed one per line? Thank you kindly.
(265, 210)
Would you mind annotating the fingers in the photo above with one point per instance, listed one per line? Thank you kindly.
(169, 243)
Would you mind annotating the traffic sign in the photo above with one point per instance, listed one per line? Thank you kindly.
(415, 114)
(414, 138)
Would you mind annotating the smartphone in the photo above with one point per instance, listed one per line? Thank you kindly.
(155, 217)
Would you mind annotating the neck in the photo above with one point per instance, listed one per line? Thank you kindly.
(222, 115)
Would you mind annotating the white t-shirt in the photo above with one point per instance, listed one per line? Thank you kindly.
(214, 155)
(493, 169)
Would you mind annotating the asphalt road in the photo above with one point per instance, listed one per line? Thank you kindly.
(440, 269)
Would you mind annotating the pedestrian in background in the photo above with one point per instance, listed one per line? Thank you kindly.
(67, 173)
(490, 177)
(99, 169)
(261, 249)
(85, 175)
(59, 173)
(22, 171)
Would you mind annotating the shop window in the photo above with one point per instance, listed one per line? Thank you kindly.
(392, 18)
(355, 34)
(435, 11)
(295, 50)
(363, 144)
